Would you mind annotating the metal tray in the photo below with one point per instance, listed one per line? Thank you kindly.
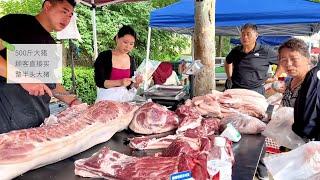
(167, 91)
(163, 87)
(177, 97)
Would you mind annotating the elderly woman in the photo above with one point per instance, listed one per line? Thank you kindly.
(294, 57)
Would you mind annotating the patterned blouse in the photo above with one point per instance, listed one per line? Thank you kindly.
(290, 96)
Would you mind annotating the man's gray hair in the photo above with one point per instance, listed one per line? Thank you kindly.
(250, 26)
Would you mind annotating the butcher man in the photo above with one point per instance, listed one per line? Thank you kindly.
(26, 105)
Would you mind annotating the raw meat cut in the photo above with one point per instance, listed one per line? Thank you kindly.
(207, 127)
(23, 150)
(231, 104)
(189, 123)
(207, 105)
(153, 118)
(110, 164)
(245, 124)
(246, 101)
(180, 146)
(66, 115)
(243, 92)
(71, 112)
(146, 142)
(185, 145)
(189, 111)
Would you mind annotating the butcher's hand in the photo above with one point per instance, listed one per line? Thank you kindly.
(126, 82)
(75, 101)
(36, 89)
(228, 84)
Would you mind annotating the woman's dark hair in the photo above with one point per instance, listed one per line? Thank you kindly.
(124, 30)
(295, 44)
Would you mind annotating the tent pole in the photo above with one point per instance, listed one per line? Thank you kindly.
(148, 44)
(309, 45)
(147, 57)
(94, 29)
(192, 47)
(73, 76)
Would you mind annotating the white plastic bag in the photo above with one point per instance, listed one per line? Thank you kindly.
(275, 99)
(52, 119)
(301, 163)
(147, 69)
(244, 123)
(280, 128)
(119, 94)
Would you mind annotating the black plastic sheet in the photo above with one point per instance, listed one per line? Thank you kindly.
(247, 154)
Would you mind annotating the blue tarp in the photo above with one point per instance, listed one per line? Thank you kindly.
(268, 40)
(280, 17)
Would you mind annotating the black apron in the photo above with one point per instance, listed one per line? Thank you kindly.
(19, 110)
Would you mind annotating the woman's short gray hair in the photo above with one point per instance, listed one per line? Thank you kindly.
(295, 44)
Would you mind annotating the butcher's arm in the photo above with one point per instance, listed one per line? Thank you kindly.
(228, 69)
(3, 67)
(3, 64)
(62, 94)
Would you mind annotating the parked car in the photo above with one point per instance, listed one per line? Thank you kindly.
(219, 66)
(220, 74)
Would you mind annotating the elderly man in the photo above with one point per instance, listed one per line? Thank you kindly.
(247, 65)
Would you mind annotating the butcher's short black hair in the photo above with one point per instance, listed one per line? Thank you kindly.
(72, 2)
(295, 44)
(250, 26)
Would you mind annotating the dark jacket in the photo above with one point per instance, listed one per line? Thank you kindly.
(103, 67)
(307, 107)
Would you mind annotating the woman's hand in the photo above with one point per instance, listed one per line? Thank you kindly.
(138, 81)
(125, 82)
(279, 86)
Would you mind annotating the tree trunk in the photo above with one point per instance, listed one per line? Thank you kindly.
(204, 45)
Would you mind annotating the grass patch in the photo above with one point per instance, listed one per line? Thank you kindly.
(220, 69)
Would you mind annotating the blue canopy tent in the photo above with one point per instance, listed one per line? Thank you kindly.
(281, 17)
(268, 40)
(274, 18)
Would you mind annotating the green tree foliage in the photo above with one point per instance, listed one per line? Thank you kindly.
(164, 45)
(85, 85)
(226, 45)
(162, 3)
(20, 6)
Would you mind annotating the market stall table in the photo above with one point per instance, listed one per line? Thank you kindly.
(247, 154)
